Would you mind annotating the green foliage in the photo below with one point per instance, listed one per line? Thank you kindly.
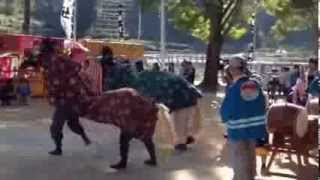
(292, 15)
(186, 15)
(11, 16)
(149, 5)
(237, 32)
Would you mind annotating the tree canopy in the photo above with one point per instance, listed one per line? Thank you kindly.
(292, 15)
(193, 15)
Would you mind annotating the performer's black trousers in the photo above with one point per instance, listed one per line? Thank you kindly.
(125, 139)
(61, 115)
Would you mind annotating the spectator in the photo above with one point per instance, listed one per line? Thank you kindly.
(183, 68)
(298, 94)
(156, 67)
(139, 66)
(227, 78)
(24, 91)
(284, 80)
(294, 75)
(7, 93)
(244, 112)
(171, 68)
(190, 72)
(313, 70)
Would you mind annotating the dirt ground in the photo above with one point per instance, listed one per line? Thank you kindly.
(25, 141)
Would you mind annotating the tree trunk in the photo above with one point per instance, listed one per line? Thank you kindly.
(8, 7)
(210, 81)
(140, 23)
(26, 22)
(315, 28)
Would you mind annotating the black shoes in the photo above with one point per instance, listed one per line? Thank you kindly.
(123, 165)
(190, 140)
(181, 147)
(225, 135)
(119, 166)
(56, 152)
(87, 141)
(184, 147)
(150, 162)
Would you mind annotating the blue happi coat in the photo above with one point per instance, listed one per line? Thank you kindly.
(244, 111)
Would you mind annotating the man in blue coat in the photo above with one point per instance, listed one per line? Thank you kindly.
(243, 112)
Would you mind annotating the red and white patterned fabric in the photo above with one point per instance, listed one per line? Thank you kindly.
(6, 68)
(94, 71)
(124, 108)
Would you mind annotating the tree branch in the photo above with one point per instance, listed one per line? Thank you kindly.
(227, 29)
(230, 13)
(226, 9)
(202, 4)
(229, 23)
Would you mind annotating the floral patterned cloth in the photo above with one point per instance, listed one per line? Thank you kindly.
(169, 89)
(124, 108)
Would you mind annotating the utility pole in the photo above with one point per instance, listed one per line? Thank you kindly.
(140, 23)
(253, 29)
(163, 31)
(75, 13)
(26, 22)
(120, 22)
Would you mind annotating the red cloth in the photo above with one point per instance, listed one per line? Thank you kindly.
(94, 71)
(124, 108)
(5, 68)
(78, 56)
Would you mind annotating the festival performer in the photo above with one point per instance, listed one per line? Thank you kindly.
(135, 115)
(106, 61)
(64, 111)
(244, 112)
(174, 91)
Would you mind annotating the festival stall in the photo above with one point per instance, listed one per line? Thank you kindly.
(22, 46)
(8, 66)
(21, 43)
(131, 50)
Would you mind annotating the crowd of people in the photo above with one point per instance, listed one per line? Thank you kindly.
(292, 84)
(16, 89)
(74, 89)
(243, 110)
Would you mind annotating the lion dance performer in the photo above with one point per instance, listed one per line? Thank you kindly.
(135, 115)
(180, 96)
